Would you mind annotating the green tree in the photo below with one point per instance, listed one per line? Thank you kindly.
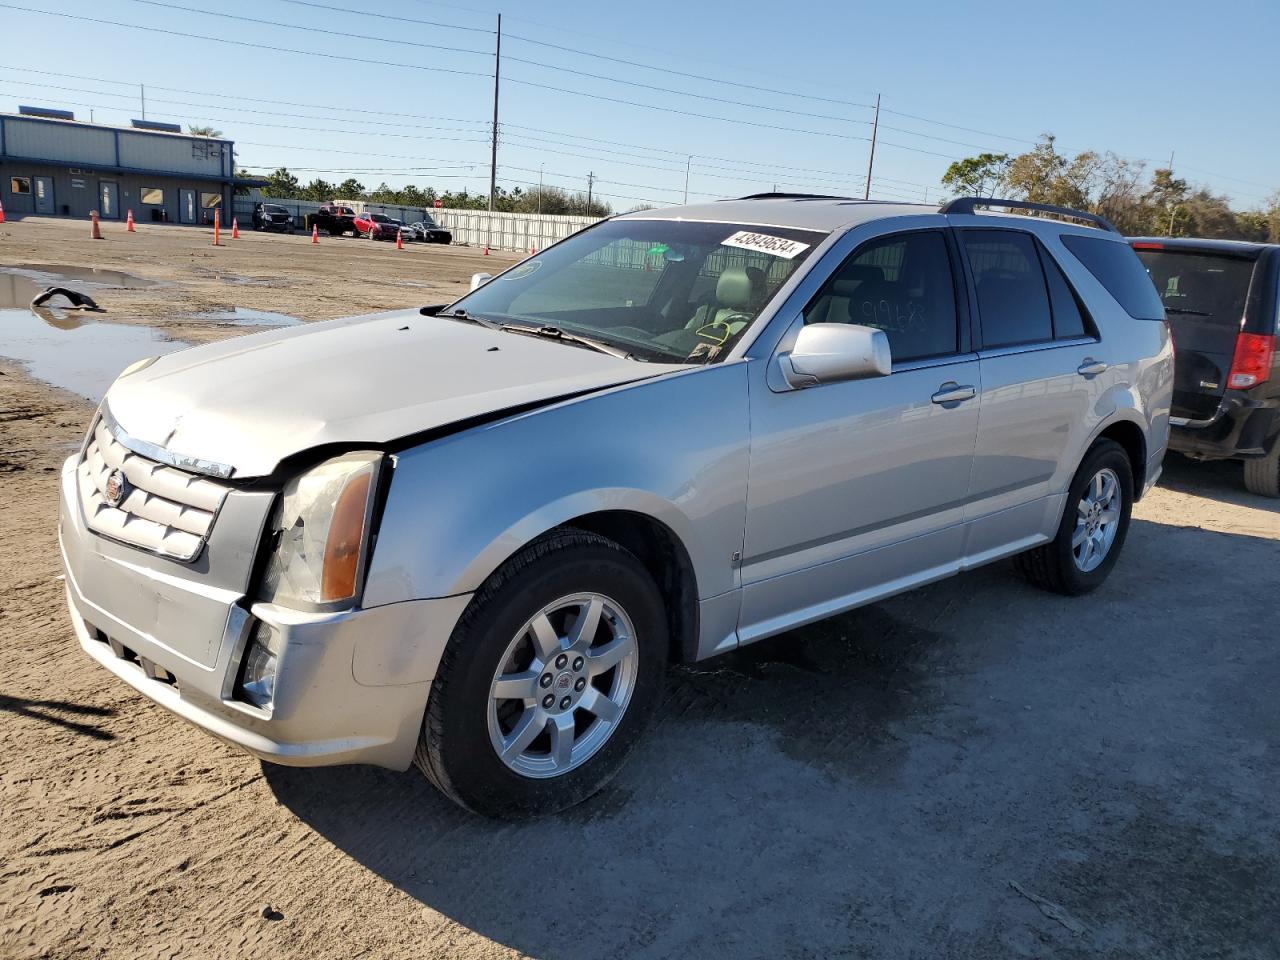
(350, 189)
(283, 185)
(319, 191)
(980, 176)
(209, 132)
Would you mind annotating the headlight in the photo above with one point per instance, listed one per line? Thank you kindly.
(322, 523)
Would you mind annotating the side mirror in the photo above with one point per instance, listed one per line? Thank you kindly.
(832, 352)
(478, 280)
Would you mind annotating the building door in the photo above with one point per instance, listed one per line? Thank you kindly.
(188, 211)
(108, 200)
(44, 195)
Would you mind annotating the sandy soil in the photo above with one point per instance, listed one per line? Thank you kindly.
(872, 786)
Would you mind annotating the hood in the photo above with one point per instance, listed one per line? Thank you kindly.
(250, 402)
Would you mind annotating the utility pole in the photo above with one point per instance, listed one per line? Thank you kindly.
(1171, 163)
(540, 189)
(142, 92)
(875, 128)
(493, 154)
(687, 165)
(591, 179)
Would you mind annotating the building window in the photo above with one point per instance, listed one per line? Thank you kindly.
(153, 196)
(19, 184)
(210, 201)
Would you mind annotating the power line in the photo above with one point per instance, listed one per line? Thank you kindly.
(243, 43)
(346, 35)
(386, 16)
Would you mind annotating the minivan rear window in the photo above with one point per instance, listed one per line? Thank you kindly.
(1115, 266)
(1207, 286)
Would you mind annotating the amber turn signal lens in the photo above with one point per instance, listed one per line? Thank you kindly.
(346, 536)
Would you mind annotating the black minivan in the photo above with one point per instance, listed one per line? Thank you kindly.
(1222, 299)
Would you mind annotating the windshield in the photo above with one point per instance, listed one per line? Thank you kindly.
(664, 290)
(1206, 285)
(379, 217)
(428, 222)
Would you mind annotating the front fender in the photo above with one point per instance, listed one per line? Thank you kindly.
(673, 448)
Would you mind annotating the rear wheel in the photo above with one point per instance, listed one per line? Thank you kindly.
(1262, 476)
(1093, 528)
(548, 680)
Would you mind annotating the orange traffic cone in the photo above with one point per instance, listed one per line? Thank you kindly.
(128, 226)
(315, 233)
(97, 231)
(235, 229)
(1, 213)
(399, 240)
(486, 251)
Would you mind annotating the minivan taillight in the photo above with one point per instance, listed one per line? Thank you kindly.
(1251, 364)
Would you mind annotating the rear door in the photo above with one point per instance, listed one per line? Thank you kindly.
(1205, 296)
(1042, 369)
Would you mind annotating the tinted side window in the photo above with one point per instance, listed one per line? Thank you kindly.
(1118, 268)
(1068, 320)
(900, 284)
(1012, 299)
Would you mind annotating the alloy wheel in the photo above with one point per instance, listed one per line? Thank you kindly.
(1097, 520)
(562, 685)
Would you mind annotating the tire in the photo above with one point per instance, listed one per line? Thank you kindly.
(464, 725)
(1262, 476)
(1056, 566)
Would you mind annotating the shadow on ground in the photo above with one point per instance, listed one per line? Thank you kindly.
(871, 785)
(1216, 479)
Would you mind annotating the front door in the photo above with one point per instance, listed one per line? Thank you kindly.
(44, 195)
(188, 211)
(858, 488)
(108, 200)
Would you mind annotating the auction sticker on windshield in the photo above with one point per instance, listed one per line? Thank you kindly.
(774, 246)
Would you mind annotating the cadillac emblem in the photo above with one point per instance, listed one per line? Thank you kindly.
(116, 488)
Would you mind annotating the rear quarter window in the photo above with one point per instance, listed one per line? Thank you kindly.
(1115, 266)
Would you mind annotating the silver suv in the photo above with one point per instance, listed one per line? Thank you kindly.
(472, 536)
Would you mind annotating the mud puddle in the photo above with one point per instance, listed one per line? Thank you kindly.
(74, 352)
(59, 272)
(246, 317)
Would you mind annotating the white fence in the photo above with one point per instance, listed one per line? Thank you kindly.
(520, 232)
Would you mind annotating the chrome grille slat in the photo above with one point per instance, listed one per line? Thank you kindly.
(167, 511)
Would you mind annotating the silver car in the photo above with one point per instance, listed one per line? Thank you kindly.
(471, 537)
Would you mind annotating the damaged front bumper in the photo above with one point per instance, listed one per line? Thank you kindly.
(349, 686)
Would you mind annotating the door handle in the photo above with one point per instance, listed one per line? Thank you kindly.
(1091, 368)
(952, 392)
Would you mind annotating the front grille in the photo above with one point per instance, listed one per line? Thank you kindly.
(165, 510)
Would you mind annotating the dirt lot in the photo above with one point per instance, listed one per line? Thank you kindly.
(973, 770)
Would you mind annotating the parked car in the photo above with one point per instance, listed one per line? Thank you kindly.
(428, 231)
(333, 219)
(272, 216)
(1223, 302)
(377, 226)
(472, 536)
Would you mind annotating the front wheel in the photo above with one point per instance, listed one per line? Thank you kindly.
(548, 681)
(1094, 525)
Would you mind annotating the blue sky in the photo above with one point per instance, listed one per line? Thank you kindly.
(1141, 79)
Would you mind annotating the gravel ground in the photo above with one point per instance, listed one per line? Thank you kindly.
(972, 770)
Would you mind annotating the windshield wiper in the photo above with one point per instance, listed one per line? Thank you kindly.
(577, 340)
(1187, 313)
(462, 315)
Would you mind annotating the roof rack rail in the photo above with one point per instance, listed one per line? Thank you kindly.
(792, 196)
(970, 205)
